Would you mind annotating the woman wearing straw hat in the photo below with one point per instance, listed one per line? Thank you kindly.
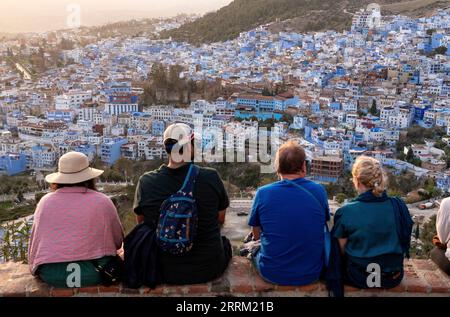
(73, 224)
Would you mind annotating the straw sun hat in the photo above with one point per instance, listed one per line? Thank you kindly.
(73, 168)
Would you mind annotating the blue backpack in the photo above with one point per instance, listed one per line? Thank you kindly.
(177, 226)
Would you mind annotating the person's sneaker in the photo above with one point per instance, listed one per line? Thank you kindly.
(244, 252)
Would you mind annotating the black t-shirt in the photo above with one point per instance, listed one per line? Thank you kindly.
(206, 260)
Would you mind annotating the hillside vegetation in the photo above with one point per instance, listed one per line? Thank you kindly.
(292, 15)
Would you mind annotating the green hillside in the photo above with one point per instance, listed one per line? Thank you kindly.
(301, 16)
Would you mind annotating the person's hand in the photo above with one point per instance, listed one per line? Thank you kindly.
(121, 253)
(249, 237)
(438, 243)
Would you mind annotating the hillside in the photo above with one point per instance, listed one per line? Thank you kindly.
(295, 15)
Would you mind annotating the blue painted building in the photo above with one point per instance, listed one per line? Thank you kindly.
(122, 103)
(12, 164)
(414, 78)
(60, 115)
(110, 149)
(419, 112)
(308, 131)
(263, 107)
(123, 99)
(340, 71)
(118, 88)
(87, 149)
(315, 107)
(437, 40)
(443, 182)
(260, 115)
(335, 105)
(158, 127)
(358, 137)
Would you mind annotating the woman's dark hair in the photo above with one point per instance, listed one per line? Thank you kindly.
(89, 184)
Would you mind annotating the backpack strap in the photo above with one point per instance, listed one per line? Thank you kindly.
(189, 181)
(327, 212)
(326, 230)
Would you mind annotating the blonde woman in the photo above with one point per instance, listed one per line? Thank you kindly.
(373, 230)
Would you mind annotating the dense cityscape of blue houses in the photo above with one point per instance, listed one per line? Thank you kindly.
(332, 80)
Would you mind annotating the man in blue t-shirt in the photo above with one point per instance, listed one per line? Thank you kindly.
(290, 222)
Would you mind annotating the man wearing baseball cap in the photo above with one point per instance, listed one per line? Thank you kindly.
(211, 252)
(179, 144)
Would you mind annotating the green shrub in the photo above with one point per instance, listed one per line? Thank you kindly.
(14, 243)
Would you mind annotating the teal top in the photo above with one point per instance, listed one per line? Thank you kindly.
(370, 228)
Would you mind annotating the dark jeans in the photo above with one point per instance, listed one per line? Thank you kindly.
(356, 276)
(228, 250)
(438, 256)
(184, 278)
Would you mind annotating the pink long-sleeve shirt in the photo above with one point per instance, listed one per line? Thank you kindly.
(74, 224)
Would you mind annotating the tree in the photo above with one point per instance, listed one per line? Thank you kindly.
(440, 144)
(38, 196)
(287, 118)
(66, 44)
(97, 162)
(124, 167)
(20, 198)
(441, 50)
(267, 92)
(417, 232)
(360, 113)
(409, 155)
(343, 186)
(434, 133)
(446, 158)
(149, 96)
(415, 134)
(430, 189)
(373, 109)
(341, 197)
(416, 161)
(403, 183)
(159, 75)
(426, 237)
(174, 80)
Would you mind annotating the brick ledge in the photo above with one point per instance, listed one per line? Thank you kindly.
(422, 278)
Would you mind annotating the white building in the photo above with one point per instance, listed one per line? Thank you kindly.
(368, 18)
(118, 108)
(402, 119)
(72, 100)
(86, 113)
(299, 122)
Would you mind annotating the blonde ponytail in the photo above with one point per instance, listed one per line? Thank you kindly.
(368, 171)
